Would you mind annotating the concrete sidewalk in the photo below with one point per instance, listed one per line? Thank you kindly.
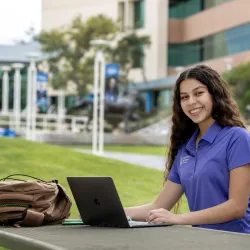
(150, 161)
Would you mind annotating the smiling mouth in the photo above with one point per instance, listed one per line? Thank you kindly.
(195, 111)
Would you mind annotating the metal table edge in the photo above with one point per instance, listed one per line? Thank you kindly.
(14, 241)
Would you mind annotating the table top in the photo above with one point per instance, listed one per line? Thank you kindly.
(61, 237)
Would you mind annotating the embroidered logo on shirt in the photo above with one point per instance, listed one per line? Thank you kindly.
(184, 159)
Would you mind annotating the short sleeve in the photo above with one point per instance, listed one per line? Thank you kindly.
(238, 151)
(174, 174)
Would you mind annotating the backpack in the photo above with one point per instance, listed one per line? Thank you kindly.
(32, 202)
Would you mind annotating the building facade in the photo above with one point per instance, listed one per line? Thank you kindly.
(146, 17)
(215, 32)
(183, 33)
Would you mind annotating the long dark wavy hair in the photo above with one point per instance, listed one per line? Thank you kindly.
(225, 110)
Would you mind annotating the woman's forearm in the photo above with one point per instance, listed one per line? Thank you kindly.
(139, 213)
(224, 212)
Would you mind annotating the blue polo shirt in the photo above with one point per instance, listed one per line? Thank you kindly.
(204, 174)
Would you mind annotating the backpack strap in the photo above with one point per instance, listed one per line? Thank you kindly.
(24, 175)
(31, 218)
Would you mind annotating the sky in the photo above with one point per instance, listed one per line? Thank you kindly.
(18, 16)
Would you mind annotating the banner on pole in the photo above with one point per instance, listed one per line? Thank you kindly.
(42, 77)
(112, 70)
(42, 97)
(112, 76)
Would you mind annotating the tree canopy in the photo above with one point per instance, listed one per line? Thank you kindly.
(239, 80)
(71, 56)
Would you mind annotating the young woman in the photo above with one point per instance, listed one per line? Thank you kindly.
(208, 159)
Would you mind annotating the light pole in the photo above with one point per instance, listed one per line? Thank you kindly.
(17, 93)
(31, 97)
(61, 108)
(99, 91)
(5, 93)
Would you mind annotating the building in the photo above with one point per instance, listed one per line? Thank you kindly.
(10, 54)
(183, 33)
(132, 15)
(18, 53)
(215, 32)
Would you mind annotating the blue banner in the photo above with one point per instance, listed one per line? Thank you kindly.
(112, 70)
(42, 77)
(42, 95)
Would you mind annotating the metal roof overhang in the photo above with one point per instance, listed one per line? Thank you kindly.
(164, 83)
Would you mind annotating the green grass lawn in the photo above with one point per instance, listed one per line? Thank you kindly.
(153, 150)
(136, 185)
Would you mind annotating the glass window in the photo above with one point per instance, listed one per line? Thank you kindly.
(185, 9)
(188, 8)
(184, 54)
(213, 3)
(238, 39)
(138, 60)
(139, 14)
(228, 42)
(121, 15)
(214, 46)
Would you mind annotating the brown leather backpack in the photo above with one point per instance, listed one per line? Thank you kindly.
(32, 202)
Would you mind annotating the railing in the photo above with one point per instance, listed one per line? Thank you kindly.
(47, 122)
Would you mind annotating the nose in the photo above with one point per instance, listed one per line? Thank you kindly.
(192, 100)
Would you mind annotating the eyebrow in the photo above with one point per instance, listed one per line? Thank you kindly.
(194, 89)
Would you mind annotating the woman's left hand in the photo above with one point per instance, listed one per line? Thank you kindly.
(163, 215)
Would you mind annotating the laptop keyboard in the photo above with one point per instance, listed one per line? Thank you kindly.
(143, 223)
(109, 225)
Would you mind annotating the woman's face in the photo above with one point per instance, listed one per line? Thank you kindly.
(196, 102)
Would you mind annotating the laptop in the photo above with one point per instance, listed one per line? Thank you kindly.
(99, 204)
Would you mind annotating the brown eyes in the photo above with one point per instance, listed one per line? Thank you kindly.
(184, 97)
